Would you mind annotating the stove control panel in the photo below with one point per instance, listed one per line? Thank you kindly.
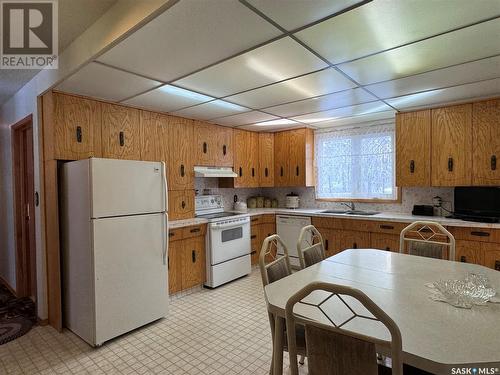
(203, 203)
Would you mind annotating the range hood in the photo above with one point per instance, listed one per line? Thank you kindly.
(214, 172)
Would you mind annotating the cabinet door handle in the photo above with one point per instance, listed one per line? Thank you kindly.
(493, 162)
(253, 172)
(450, 164)
(326, 245)
(183, 204)
(241, 172)
(122, 139)
(79, 134)
(253, 252)
(354, 245)
(266, 172)
(281, 171)
(412, 166)
(255, 219)
(193, 256)
(195, 230)
(479, 234)
(463, 259)
(168, 263)
(497, 265)
(205, 147)
(387, 248)
(297, 170)
(385, 226)
(253, 236)
(171, 234)
(183, 172)
(224, 150)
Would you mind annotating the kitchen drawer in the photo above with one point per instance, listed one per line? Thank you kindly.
(269, 219)
(387, 227)
(476, 234)
(175, 234)
(256, 220)
(324, 222)
(194, 231)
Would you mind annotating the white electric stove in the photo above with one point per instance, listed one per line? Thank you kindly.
(227, 241)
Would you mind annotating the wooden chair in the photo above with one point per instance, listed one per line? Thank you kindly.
(272, 268)
(331, 347)
(428, 239)
(310, 246)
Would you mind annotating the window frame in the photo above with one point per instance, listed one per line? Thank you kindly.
(398, 194)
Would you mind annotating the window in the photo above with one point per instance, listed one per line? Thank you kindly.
(356, 163)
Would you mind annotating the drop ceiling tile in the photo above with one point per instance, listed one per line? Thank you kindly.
(276, 61)
(168, 98)
(380, 25)
(189, 36)
(298, 13)
(323, 103)
(460, 74)
(314, 84)
(460, 46)
(103, 82)
(466, 92)
(355, 110)
(211, 110)
(244, 118)
(366, 119)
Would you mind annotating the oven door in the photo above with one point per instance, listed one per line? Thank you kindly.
(229, 240)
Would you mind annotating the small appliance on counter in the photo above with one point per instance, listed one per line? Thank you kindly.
(240, 206)
(423, 210)
(292, 201)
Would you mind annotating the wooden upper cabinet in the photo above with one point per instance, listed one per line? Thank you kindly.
(76, 126)
(266, 159)
(486, 143)
(180, 150)
(149, 136)
(120, 132)
(224, 147)
(451, 146)
(413, 148)
(180, 204)
(293, 158)
(253, 157)
(281, 161)
(213, 145)
(246, 160)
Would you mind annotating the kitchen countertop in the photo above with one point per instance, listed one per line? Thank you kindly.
(383, 216)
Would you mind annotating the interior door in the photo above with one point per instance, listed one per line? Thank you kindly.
(130, 273)
(126, 187)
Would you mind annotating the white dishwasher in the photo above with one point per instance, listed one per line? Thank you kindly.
(288, 228)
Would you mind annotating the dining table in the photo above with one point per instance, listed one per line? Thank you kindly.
(436, 336)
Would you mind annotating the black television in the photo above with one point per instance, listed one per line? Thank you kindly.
(477, 203)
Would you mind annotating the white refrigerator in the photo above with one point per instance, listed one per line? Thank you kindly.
(115, 246)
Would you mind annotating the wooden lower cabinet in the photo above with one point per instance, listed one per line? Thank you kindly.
(351, 239)
(382, 241)
(491, 255)
(186, 258)
(329, 239)
(262, 226)
(175, 250)
(193, 262)
(255, 243)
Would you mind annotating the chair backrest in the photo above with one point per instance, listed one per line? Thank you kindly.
(273, 266)
(331, 347)
(310, 246)
(427, 238)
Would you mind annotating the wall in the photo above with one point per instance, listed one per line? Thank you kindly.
(119, 21)
(410, 197)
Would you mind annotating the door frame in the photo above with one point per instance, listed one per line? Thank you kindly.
(25, 259)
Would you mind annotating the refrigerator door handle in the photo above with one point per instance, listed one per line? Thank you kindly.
(165, 241)
(164, 167)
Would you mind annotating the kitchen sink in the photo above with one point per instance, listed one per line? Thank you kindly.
(350, 212)
(359, 212)
(334, 211)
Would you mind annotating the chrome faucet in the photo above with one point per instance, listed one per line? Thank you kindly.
(350, 205)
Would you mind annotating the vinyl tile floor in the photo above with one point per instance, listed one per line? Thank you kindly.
(220, 331)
